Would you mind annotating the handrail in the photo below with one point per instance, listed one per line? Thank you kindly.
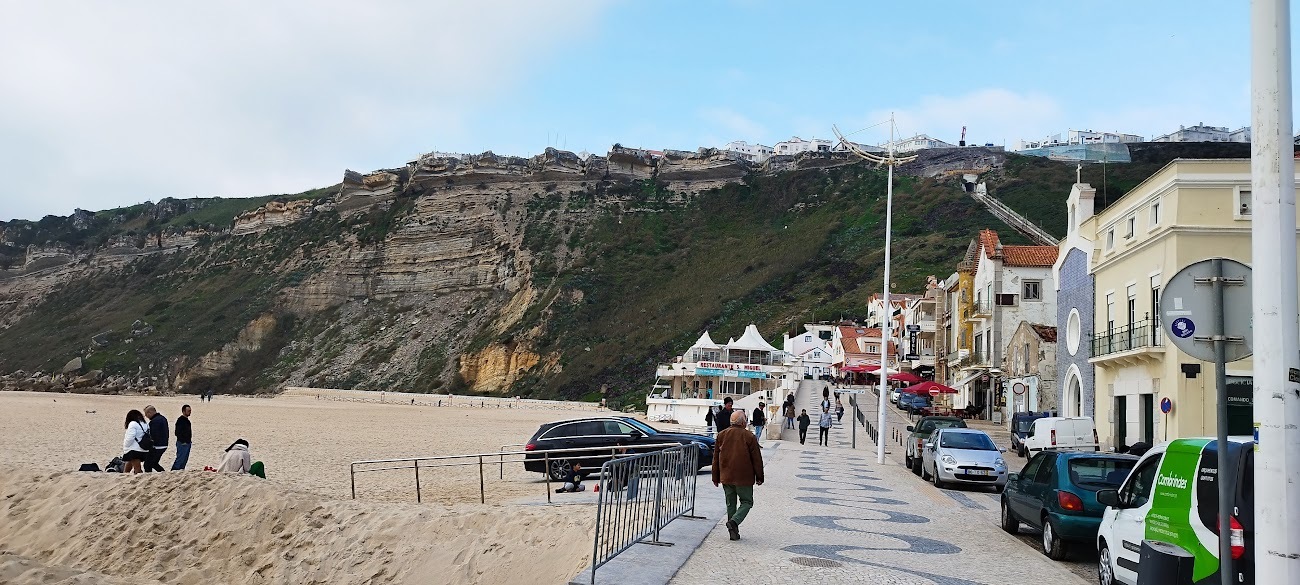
(478, 459)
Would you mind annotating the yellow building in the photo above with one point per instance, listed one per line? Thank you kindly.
(1189, 211)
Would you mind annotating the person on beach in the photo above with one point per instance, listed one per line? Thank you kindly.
(573, 482)
(804, 423)
(759, 421)
(159, 432)
(183, 437)
(133, 454)
(237, 458)
(738, 467)
(723, 419)
(824, 428)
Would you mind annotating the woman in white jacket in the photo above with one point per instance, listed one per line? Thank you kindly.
(237, 458)
(132, 454)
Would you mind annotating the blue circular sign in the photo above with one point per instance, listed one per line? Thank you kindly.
(1166, 405)
(1183, 327)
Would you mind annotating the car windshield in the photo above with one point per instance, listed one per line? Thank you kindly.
(645, 428)
(1023, 425)
(972, 441)
(1100, 472)
(930, 425)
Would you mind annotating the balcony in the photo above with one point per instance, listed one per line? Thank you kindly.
(983, 308)
(956, 357)
(1130, 344)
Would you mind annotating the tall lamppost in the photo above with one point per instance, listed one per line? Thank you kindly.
(890, 161)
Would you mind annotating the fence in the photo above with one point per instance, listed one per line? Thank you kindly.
(546, 457)
(441, 400)
(626, 514)
(865, 421)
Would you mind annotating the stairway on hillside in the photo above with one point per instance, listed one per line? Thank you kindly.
(1008, 216)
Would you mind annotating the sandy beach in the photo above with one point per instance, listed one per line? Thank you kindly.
(297, 526)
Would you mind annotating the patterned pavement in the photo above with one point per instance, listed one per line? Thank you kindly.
(833, 515)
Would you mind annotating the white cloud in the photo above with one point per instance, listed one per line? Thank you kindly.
(110, 104)
(990, 115)
(737, 124)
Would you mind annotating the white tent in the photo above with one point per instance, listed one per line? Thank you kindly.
(705, 342)
(752, 341)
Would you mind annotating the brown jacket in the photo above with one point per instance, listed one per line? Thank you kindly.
(736, 458)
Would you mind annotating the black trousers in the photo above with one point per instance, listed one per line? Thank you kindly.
(151, 459)
(824, 436)
(803, 434)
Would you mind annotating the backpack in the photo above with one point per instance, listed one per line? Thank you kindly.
(145, 442)
(115, 466)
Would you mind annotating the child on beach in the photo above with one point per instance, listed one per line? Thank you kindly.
(573, 483)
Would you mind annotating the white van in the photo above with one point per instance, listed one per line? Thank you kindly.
(1067, 433)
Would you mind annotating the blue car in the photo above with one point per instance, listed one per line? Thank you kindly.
(1056, 492)
(913, 403)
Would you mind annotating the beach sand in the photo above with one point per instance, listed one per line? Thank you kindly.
(299, 525)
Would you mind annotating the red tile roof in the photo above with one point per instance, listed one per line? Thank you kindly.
(1045, 332)
(1029, 255)
(989, 242)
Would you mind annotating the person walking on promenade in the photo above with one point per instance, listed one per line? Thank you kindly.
(708, 421)
(839, 411)
(759, 421)
(738, 467)
(804, 423)
(183, 437)
(824, 428)
(723, 418)
(788, 412)
(133, 453)
(158, 431)
(826, 398)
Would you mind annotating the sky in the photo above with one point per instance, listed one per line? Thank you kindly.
(104, 105)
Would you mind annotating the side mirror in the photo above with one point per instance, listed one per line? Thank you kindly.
(910, 428)
(1002, 449)
(1013, 477)
(929, 445)
(635, 434)
(1109, 498)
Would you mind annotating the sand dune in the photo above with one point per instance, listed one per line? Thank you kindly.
(201, 527)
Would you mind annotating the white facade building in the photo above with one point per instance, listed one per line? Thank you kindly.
(809, 353)
(748, 369)
(797, 145)
(756, 153)
(1079, 137)
(918, 142)
(1203, 133)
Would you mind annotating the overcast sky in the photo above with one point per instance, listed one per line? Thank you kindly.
(109, 104)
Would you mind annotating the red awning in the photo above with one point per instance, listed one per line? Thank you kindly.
(931, 388)
(858, 368)
(908, 377)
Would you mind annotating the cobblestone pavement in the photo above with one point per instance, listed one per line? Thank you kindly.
(833, 515)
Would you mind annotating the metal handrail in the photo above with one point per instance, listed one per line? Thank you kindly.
(416, 463)
(1144, 333)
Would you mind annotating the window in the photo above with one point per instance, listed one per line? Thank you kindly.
(1031, 469)
(1045, 470)
(1243, 203)
(1132, 227)
(1110, 240)
(1033, 290)
(1110, 311)
(1155, 308)
(1099, 472)
(1155, 214)
(1137, 490)
(1004, 300)
(1071, 226)
(807, 338)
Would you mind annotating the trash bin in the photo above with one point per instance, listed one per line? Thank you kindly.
(1164, 564)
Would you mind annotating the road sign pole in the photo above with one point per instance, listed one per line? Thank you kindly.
(1273, 254)
(1220, 339)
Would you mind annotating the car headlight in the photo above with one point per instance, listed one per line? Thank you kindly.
(948, 460)
(999, 462)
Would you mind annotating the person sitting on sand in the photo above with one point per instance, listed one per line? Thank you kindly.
(573, 483)
(132, 453)
(237, 458)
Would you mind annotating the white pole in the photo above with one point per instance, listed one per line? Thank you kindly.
(881, 395)
(1273, 255)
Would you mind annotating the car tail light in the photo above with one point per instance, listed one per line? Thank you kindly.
(1053, 437)
(530, 446)
(1069, 501)
(1236, 536)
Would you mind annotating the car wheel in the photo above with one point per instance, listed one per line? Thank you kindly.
(1009, 522)
(1053, 546)
(559, 469)
(1104, 573)
(935, 478)
(924, 473)
(907, 460)
(916, 465)
(1024, 453)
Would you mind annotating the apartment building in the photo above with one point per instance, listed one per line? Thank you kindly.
(1189, 211)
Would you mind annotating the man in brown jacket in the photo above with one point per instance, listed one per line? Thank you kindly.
(738, 466)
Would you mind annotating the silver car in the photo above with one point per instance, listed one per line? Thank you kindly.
(966, 456)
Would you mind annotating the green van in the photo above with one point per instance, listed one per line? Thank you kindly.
(1171, 495)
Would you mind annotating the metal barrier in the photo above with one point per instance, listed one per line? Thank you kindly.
(579, 455)
(639, 495)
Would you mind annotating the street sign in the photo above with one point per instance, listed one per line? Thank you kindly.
(911, 356)
(1188, 310)
(913, 327)
(1019, 388)
(1166, 405)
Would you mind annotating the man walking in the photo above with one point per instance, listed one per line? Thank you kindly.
(788, 412)
(723, 419)
(738, 466)
(824, 427)
(759, 421)
(158, 431)
(804, 423)
(182, 439)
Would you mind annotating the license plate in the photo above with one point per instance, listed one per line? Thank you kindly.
(977, 472)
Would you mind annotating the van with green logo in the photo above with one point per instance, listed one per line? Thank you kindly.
(1171, 495)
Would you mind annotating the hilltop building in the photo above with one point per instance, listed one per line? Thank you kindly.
(918, 142)
(755, 153)
(1078, 137)
(797, 145)
(1203, 133)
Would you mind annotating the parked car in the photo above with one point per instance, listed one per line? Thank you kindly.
(967, 456)
(1021, 422)
(894, 393)
(601, 434)
(917, 434)
(1172, 493)
(913, 403)
(1062, 433)
(1056, 492)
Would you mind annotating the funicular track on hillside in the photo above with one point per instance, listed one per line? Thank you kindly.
(1013, 220)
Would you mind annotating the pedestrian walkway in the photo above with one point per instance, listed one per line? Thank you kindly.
(833, 515)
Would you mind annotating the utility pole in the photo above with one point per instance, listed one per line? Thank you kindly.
(891, 161)
(1273, 254)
